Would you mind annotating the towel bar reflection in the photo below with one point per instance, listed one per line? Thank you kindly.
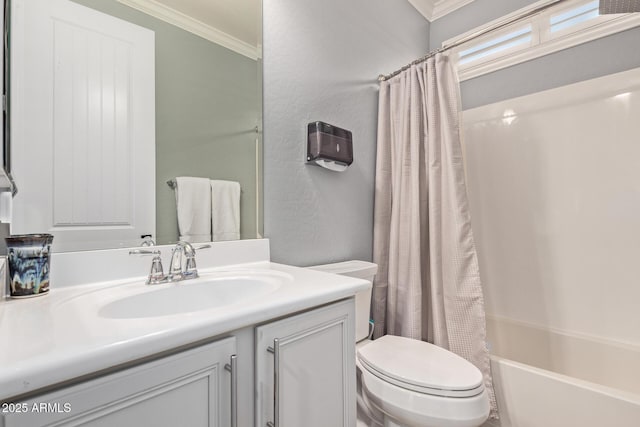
(172, 183)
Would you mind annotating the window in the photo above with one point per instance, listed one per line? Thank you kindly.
(574, 16)
(564, 25)
(497, 46)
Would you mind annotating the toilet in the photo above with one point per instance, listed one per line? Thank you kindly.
(404, 382)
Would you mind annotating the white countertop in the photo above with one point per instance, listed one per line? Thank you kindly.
(57, 337)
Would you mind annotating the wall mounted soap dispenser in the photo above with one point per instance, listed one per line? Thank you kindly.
(329, 146)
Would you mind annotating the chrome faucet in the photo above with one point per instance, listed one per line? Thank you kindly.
(179, 272)
(176, 270)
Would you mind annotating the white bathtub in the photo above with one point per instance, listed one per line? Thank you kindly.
(546, 378)
(553, 180)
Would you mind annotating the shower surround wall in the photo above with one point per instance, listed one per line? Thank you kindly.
(554, 193)
(321, 60)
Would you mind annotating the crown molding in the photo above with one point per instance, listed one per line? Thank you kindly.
(434, 9)
(444, 7)
(425, 7)
(199, 28)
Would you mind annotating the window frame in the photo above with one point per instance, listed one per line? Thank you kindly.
(543, 40)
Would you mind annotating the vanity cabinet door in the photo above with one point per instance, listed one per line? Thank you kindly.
(305, 369)
(191, 388)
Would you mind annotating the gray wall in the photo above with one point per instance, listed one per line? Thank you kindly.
(615, 53)
(321, 61)
(207, 105)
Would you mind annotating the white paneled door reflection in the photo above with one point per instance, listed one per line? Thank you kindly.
(84, 125)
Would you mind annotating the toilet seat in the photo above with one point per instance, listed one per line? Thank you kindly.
(409, 408)
(421, 367)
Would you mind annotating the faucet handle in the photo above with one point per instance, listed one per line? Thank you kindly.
(190, 270)
(144, 252)
(156, 275)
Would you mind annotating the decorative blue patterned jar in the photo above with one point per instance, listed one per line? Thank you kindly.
(28, 257)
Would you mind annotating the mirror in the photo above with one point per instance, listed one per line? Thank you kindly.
(208, 106)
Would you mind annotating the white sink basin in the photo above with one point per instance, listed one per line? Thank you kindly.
(189, 296)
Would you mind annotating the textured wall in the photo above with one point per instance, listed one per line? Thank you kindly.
(618, 52)
(321, 60)
(207, 105)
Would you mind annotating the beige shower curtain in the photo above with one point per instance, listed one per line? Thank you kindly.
(428, 283)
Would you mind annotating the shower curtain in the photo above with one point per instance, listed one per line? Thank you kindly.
(428, 282)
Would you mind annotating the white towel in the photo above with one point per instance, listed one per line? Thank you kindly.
(193, 202)
(225, 210)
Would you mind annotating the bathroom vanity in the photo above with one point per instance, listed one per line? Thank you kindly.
(249, 343)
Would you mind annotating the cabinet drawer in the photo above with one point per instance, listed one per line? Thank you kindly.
(191, 388)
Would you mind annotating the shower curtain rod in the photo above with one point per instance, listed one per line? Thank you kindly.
(496, 26)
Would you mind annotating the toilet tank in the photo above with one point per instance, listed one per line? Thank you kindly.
(361, 270)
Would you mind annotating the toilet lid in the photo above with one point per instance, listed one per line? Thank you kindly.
(420, 366)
